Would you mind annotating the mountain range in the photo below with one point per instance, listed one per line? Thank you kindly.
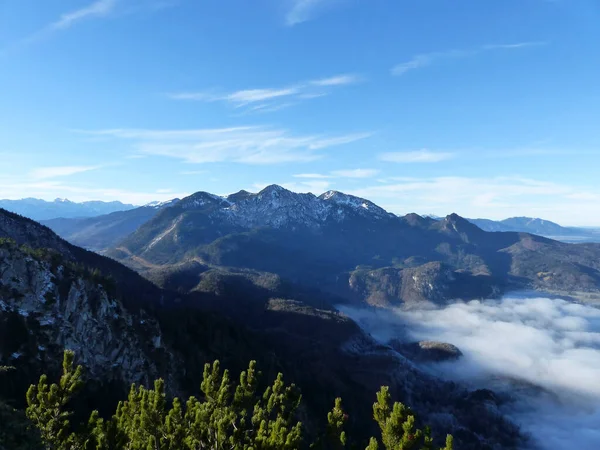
(37, 209)
(124, 329)
(351, 248)
(261, 276)
(100, 225)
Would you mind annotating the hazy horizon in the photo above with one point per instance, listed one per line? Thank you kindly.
(400, 213)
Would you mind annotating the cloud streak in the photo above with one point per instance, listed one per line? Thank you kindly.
(419, 156)
(42, 173)
(100, 8)
(348, 173)
(272, 98)
(245, 145)
(303, 10)
(429, 59)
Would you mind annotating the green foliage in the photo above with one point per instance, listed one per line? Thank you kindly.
(227, 416)
(336, 436)
(46, 406)
(397, 424)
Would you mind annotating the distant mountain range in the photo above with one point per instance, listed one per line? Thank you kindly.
(99, 225)
(37, 209)
(540, 227)
(104, 231)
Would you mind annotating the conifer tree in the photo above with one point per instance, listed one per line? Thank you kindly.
(397, 425)
(227, 417)
(46, 405)
(336, 419)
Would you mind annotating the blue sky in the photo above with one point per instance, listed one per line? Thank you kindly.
(487, 108)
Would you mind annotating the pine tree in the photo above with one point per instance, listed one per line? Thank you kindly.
(336, 419)
(228, 417)
(397, 424)
(46, 405)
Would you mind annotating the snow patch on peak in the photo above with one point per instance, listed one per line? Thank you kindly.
(357, 203)
(329, 194)
(159, 205)
(200, 199)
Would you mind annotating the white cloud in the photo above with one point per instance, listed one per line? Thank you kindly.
(338, 80)
(419, 156)
(428, 59)
(544, 353)
(415, 63)
(193, 172)
(100, 8)
(515, 46)
(355, 173)
(302, 10)
(248, 145)
(269, 99)
(258, 95)
(41, 173)
(347, 173)
(312, 175)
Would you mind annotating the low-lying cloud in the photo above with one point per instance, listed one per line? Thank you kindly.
(544, 352)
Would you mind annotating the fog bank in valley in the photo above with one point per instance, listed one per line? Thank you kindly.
(543, 352)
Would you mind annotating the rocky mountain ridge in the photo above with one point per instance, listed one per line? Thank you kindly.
(354, 249)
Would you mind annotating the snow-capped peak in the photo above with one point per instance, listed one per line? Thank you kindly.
(159, 205)
(62, 200)
(357, 203)
(276, 206)
(200, 199)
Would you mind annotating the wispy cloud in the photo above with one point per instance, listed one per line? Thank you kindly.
(272, 98)
(247, 145)
(312, 176)
(303, 10)
(493, 198)
(100, 8)
(339, 80)
(355, 173)
(514, 46)
(428, 59)
(348, 173)
(419, 156)
(193, 172)
(42, 173)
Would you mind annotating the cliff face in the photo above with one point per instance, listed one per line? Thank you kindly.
(433, 283)
(47, 304)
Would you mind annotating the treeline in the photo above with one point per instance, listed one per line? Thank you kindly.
(229, 415)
